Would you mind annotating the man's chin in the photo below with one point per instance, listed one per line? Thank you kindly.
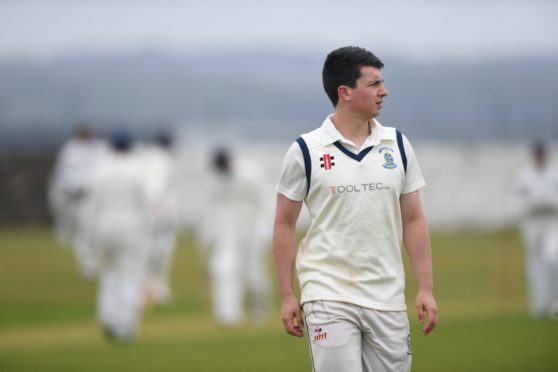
(375, 114)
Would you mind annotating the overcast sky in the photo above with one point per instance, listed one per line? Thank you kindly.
(422, 29)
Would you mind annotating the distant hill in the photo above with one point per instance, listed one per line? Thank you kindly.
(266, 95)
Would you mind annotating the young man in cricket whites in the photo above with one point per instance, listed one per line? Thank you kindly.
(360, 182)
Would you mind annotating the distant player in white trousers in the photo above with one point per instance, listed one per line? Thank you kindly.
(232, 229)
(76, 165)
(159, 165)
(535, 203)
(118, 211)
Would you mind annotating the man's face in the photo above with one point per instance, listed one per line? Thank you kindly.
(368, 95)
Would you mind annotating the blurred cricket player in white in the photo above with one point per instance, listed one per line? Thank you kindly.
(159, 164)
(76, 165)
(119, 214)
(535, 203)
(237, 241)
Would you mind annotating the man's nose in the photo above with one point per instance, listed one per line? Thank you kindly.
(384, 92)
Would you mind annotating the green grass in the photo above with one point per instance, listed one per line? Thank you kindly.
(47, 319)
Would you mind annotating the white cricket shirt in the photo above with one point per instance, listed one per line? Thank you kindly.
(352, 250)
(535, 194)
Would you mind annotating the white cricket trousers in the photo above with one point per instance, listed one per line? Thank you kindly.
(540, 237)
(237, 268)
(348, 338)
(122, 279)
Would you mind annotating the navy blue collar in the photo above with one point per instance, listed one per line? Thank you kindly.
(358, 157)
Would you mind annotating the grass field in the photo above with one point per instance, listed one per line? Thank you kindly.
(47, 320)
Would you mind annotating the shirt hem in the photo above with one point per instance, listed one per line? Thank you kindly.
(413, 188)
(289, 194)
(362, 303)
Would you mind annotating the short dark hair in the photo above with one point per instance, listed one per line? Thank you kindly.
(122, 141)
(539, 148)
(222, 161)
(342, 67)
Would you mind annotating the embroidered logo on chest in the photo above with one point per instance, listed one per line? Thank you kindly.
(327, 161)
(389, 163)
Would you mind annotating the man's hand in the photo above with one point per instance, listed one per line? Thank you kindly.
(427, 310)
(291, 315)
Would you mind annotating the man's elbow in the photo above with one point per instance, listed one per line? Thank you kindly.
(283, 223)
(415, 218)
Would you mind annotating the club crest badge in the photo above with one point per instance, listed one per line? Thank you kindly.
(389, 163)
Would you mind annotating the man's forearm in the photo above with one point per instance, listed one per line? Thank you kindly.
(417, 243)
(284, 251)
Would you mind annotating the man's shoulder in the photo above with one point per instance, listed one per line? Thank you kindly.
(312, 138)
(387, 132)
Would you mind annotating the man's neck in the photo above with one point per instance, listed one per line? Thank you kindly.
(354, 128)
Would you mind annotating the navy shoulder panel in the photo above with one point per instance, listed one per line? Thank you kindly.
(307, 161)
(401, 149)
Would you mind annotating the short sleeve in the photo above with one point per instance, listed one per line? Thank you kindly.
(292, 181)
(413, 177)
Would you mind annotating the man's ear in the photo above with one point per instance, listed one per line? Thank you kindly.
(344, 93)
